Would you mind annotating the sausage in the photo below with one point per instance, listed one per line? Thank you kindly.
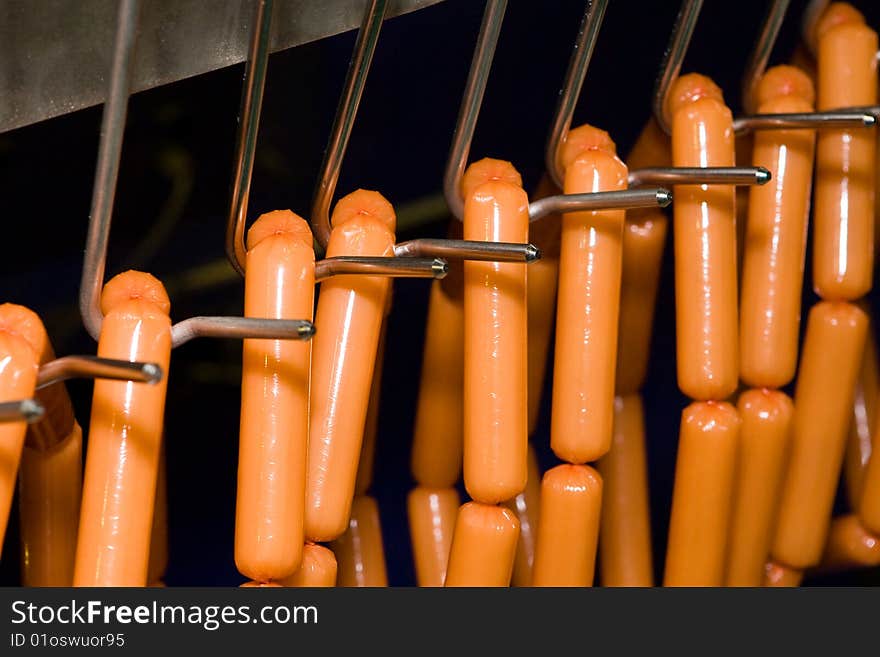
(542, 282)
(279, 284)
(50, 471)
(625, 537)
(644, 239)
(438, 434)
(571, 503)
(49, 493)
(367, 458)
(360, 556)
(849, 546)
(843, 253)
(703, 494)
(158, 562)
(779, 575)
(495, 326)
(588, 303)
(432, 513)
(863, 423)
(829, 367)
(705, 243)
(483, 546)
(776, 236)
(260, 585)
(348, 321)
(125, 434)
(18, 377)
(763, 444)
(527, 505)
(317, 568)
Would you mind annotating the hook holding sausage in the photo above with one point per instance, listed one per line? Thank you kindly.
(95, 367)
(393, 267)
(699, 176)
(627, 199)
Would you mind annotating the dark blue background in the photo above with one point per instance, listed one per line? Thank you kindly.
(179, 146)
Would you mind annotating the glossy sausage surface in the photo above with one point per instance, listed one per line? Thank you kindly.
(125, 435)
(776, 236)
(702, 496)
(763, 445)
(348, 321)
(432, 513)
(868, 505)
(367, 459)
(360, 556)
(279, 284)
(495, 327)
(843, 251)
(317, 569)
(705, 243)
(483, 546)
(159, 532)
(571, 503)
(18, 377)
(827, 376)
(779, 575)
(625, 536)
(438, 434)
(588, 304)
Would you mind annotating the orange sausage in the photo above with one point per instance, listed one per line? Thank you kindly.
(360, 556)
(703, 494)
(571, 503)
(778, 575)
(125, 435)
(317, 569)
(50, 488)
(862, 428)
(432, 513)
(260, 585)
(495, 326)
(526, 505)
(18, 377)
(823, 401)
(625, 537)
(542, 282)
(279, 284)
(50, 471)
(483, 546)
(776, 236)
(705, 243)
(367, 459)
(763, 443)
(589, 300)
(644, 238)
(438, 434)
(159, 533)
(849, 546)
(348, 321)
(843, 253)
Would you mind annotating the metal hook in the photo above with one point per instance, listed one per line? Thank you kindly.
(26, 410)
(381, 266)
(760, 54)
(471, 101)
(699, 176)
(621, 200)
(107, 168)
(248, 127)
(95, 367)
(571, 88)
(368, 37)
(673, 58)
(95, 260)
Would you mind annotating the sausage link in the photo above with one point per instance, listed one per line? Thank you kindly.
(849, 546)
(125, 435)
(527, 505)
(432, 513)
(360, 556)
(317, 569)
(863, 423)
(483, 546)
